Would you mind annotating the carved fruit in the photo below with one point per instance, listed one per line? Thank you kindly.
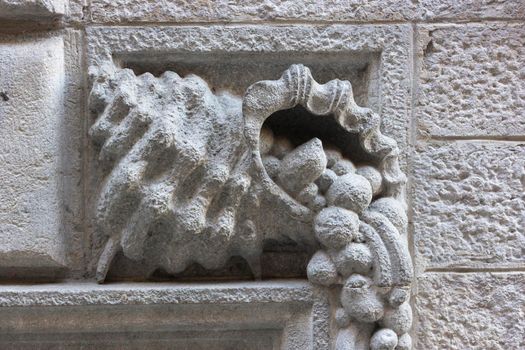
(360, 301)
(326, 180)
(321, 269)
(393, 210)
(335, 227)
(404, 343)
(343, 167)
(350, 191)
(353, 258)
(373, 176)
(383, 339)
(302, 166)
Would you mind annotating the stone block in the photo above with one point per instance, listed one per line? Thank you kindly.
(31, 9)
(252, 10)
(309, 10)
(469, 9)
(39, 151)
(469, 204)
(470, 311)
(471, 80)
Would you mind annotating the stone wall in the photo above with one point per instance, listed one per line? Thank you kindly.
(447, 78)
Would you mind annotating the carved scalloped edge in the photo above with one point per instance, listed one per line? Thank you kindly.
(297, 87)
(394, 272)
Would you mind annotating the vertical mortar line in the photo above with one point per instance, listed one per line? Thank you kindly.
(85, 145)
(412, 128)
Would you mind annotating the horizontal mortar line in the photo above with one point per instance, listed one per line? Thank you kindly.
(256, 22)
(493, 138)
(456, 269)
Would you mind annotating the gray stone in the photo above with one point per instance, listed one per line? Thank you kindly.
(383, 339)
(321, 269)
(31, 116)
(350, 191)
(281, 147)
(333, 155)
(343, 167)
(398, 319)
(309, 10)
(471, 80)
(271, 165)
(326, 179)
(360, 300)
(254, 315)
(469, 204)
(183, 180)
(354, 258)
(266, 140)
(473, 10)
(393, 210)
(335, 227)
(31, 9)
(404, 342)
(388, 83)
(373, 176)
(470, 311)
(302, 166)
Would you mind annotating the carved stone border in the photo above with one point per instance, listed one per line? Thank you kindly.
(391, 41)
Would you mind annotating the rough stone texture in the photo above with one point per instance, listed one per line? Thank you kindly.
(471, 9)
(31, 105)
(471, 80)
(470, 311)
(469, 204)
(310, 10)
(254, 315)
(333, 52)
(31, 9)
(462, 72)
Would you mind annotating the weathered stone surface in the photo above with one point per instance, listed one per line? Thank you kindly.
(471, 80)
(279, 10)
(469, 204)
(86, 294)
(182, 181)
(253, 315)
(31, 110)
(251, 53)
(470, 311)
(468, 9)
(175, 10)
(31, 9)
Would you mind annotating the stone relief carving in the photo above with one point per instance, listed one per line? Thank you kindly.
(195, 176)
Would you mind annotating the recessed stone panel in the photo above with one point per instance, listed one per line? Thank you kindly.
(469, 204)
